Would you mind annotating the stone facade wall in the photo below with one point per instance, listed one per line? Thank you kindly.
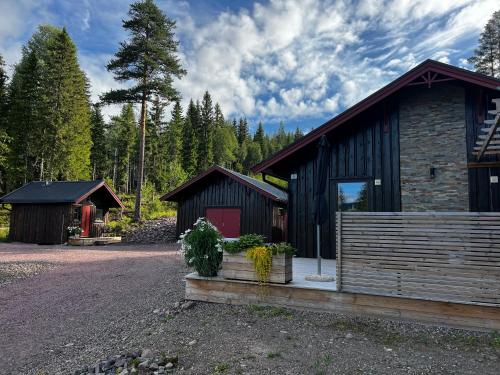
(433, 134)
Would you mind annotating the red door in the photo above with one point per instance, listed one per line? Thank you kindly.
(85, 220)
(227, 220)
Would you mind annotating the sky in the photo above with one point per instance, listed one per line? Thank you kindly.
(300, 62)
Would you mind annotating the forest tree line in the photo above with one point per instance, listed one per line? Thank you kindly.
(191, 141)
(50, 130)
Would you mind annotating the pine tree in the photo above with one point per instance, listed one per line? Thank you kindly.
(149, 60)
(98, 152)
(154, 129)
(486, 57)
(205, 134)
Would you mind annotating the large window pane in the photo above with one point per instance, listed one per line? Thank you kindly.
(353, 196)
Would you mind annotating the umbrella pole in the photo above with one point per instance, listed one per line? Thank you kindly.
(318, 248)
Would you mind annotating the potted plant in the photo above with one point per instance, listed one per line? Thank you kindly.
(74, 231)
(202, 248)
(249, 258)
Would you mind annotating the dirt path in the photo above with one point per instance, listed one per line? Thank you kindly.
(95, 302)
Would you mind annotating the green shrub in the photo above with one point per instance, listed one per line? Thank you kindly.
(202, 248)
(243, 243)
(282, 248)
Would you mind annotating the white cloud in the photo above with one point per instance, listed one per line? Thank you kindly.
(282, 59)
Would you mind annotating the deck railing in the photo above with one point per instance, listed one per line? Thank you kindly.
(450, 257)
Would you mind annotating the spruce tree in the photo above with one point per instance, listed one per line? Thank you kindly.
(486, 57)
(154, 128)
(123, 139)
(205, 134)
(49, 116)
(149, 60)
(3, 94)
(189, 156)
(3, 124)
(218, 116)
(242, 130)
(98, 152)
(259, 137)
(172, 137)
(298, 134)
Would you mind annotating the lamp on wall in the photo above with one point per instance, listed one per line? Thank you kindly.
(432, 172)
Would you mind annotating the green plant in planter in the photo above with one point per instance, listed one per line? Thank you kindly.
(244, 243)
(202, 248)
(281, 248)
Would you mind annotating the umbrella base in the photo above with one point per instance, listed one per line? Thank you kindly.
(320, 278)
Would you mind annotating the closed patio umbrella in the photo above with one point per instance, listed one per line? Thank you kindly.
(320, 204)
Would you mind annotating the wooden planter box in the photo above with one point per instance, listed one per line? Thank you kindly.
(238, 267)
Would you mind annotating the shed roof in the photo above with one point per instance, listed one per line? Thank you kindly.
(261, 187)
(45, 192)
(427, 72)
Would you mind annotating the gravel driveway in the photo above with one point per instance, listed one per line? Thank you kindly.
(85, 304)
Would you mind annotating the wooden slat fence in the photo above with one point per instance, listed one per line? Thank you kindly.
(450, 257)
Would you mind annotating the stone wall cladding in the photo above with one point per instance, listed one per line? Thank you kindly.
(433, 134)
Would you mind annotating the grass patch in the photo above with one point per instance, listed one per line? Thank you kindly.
(221, 368)
(168, 317)
(269, 312)
(4, 234)
(321, 365)
(495, 340)
(273, 355)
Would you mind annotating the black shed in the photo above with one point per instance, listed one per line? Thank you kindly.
(236, 204)
(42, 210)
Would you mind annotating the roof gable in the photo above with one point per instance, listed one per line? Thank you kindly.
(45, 192)
(261, 187)
(425, 73)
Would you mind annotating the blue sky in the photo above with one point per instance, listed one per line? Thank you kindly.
(301, 62)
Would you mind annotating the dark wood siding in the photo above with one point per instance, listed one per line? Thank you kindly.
(483, 196)
(222, 191)
(40, 223)
(365, 149)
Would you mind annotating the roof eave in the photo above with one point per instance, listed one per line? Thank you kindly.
(171, 195)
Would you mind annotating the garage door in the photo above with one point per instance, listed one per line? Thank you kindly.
(227, 220)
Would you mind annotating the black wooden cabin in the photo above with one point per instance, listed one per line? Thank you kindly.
(41, 211)
(236, 204)
(411, 146)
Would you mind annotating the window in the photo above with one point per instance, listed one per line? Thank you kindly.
(99, 214)
(77, 214)
(352, 196)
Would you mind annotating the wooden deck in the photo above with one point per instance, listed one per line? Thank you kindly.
(302, 294)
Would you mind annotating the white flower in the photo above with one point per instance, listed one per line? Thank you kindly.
(191, 260)
(205, 256)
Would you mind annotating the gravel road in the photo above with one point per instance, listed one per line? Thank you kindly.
(86, 304)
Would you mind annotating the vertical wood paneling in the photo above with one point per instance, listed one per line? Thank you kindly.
(256, 210)
(364, 148)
